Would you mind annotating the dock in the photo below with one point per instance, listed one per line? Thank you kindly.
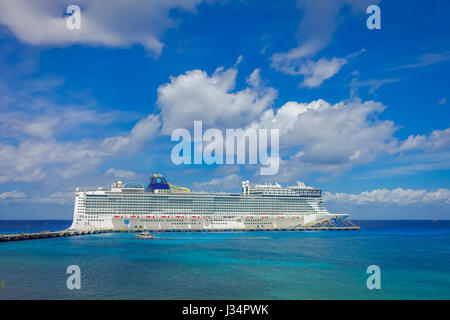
(71, 233)
(50, 234)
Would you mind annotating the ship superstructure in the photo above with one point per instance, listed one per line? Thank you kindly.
(165, 207)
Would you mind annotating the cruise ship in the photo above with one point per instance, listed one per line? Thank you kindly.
(164, 207)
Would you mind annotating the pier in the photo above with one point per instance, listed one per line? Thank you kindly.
(71, 233)
(50, 234)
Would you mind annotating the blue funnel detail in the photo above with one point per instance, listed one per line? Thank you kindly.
(157, 181)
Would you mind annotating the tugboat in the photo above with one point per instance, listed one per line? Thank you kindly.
(145, 235)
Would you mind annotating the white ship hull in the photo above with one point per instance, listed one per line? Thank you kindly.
(236, 223)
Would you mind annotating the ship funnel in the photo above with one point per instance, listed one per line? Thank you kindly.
(157, 183)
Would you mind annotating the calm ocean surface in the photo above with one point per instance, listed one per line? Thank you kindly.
(414, 257)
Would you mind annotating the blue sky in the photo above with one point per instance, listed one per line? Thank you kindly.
(364, 114)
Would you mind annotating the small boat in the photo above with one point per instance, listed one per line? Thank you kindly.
(145, 235)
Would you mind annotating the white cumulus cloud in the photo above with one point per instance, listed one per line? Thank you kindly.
(119, 173)
(319, 21)
(213, 99)
(315, 136)
(330, 138)
(32, 159)
(54, 197)
(397, 197)
(143, 132)
(12, 195)
(112, 23)
(437, 140)
(315, 73)
(228, 182)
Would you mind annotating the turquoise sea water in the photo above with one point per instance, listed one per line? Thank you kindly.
(414, 257)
